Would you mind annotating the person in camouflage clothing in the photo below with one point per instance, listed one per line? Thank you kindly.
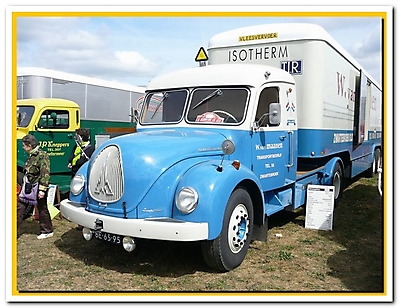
(37, 170)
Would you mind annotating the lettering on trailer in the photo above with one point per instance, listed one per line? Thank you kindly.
(261, 53)
(254, 37)
(374, 135)
(342, 91)
(373, 103)
(343, 137)
(349, 93)
(293, 67)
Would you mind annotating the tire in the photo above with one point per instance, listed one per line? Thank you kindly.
(338, 181)
(370, 172)
(377, 161)
(229, 249)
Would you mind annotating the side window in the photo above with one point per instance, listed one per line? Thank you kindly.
(54, 119)
(267, 96)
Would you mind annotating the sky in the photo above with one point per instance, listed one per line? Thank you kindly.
(133, 50)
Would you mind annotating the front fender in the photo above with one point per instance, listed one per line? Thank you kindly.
(214, 189)
(329, 170)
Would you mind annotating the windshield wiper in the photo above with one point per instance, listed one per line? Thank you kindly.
(164, 98)
(217, 92)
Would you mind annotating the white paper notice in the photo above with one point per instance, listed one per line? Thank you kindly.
(319, 207)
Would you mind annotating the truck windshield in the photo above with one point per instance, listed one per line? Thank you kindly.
(164, 107)
(24, 115)
(218, 105)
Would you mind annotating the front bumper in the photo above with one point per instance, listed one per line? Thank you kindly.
(152, 228)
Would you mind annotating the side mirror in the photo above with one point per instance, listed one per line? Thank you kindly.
(274, 113)
(228, 147)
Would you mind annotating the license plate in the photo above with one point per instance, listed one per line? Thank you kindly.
(108, 237)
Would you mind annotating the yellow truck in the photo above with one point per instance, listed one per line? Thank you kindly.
(51, 105)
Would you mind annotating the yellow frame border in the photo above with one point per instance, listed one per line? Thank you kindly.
(16, 15)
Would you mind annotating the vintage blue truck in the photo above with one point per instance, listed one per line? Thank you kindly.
(220, 148)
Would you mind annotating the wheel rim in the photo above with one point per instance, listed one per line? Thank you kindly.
(337, 184)
(376, 164)
(238, 228)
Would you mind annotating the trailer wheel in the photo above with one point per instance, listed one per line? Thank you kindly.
(377, 160)
(338, 181)
(229, 249)
(369, 173)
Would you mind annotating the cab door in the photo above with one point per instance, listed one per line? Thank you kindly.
(274, 137)
(55, 131)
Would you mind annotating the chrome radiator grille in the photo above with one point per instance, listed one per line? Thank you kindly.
(106, 176)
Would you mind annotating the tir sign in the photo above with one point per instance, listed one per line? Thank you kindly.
(292, 67)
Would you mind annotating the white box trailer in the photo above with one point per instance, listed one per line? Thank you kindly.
(98, 99)
(339, 105)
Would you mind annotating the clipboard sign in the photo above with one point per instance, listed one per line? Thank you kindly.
(319, 207)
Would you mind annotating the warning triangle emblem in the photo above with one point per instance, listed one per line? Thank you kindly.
(201, 55)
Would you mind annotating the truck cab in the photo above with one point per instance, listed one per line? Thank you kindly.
(53, 122)
(210, 143)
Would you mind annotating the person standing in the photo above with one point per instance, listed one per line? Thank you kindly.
(35, 186)
(81, 152)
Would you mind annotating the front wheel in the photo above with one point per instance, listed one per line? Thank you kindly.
(229, 249)
(338, 181)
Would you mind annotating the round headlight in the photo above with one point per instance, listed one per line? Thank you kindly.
(77, 184)
(187, 200)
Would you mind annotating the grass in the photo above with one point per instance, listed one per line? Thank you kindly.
(347, 259)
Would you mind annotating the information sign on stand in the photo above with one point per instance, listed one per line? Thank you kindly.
(53, 199)
(319, 207)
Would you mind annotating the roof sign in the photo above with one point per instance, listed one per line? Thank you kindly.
(261, 36)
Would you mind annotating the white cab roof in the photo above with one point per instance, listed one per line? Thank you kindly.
(252, 75)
